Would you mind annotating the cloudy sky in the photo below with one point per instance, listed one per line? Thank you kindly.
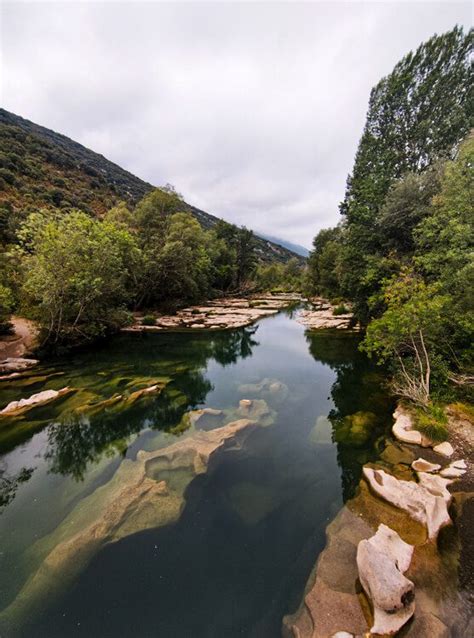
(252, 110)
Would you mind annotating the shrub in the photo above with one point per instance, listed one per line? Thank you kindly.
(148, 320)
(432, 422)
(340, 310)
(7, 176)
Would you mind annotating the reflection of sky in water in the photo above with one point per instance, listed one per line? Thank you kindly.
(252, 527)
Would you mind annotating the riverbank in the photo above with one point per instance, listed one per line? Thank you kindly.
(21, 342)
(441, 568)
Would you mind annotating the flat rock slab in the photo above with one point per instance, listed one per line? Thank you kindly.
(16, 364)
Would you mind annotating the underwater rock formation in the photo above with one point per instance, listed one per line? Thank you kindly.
(145, 493)
(382, 560)
(41, 398)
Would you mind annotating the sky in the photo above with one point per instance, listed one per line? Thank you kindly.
(253, 111)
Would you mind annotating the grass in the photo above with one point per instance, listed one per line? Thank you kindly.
(148, 320)
(432, 422)
(340, 310)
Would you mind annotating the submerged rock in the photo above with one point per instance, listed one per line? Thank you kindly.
(269, 389)
(382, 560)
(422, 503)
(355, 429)
(148, 492)
(16, 364)
(41, 398)
(321, 433)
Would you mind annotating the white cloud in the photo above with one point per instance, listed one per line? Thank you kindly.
(253, 111)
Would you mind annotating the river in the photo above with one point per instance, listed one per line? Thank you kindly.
(250, 527)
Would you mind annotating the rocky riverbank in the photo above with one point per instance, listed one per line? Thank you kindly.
(219, 314)
(394, 563)
(323, 315)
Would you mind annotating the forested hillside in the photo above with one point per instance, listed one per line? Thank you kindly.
(40, 168)
(403, 251)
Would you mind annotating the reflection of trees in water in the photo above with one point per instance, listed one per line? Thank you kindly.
(10, 484)
(76, 441)
(358, 388)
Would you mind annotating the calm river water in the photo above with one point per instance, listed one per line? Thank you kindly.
(250, 529)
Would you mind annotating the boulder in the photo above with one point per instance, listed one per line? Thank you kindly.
(421, 465)
(382, 560)
(419, 502)
(445, 449)
(40, 398)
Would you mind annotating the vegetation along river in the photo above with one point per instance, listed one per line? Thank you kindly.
(124, 515)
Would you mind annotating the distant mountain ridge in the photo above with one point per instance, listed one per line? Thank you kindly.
(40, 168)
(295, 248)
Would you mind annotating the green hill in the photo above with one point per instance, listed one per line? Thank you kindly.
(40, 168)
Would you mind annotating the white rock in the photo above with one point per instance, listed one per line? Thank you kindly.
(436, 485)
(420, 503)
(445, 449)
(17, 364)
(382, 560)
(422, 465)
(403, 429)
(41, 397)
(454, 470)
(342, 634)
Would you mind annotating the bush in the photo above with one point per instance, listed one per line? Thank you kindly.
(7, 176)
(148, 320)
(432, 422)
(340, 310)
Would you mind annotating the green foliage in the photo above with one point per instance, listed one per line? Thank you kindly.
(340, 310)
(432, 422)
(75, 278)
(149, 320)
(6, 307)
(282, 277)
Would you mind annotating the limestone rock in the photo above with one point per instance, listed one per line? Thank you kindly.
(16, 364)
(445, 449)
(421, 465)
(420, 503)
(454, 470)
(382, 560)
(145, 493)
(436, 485)
(403, 430)
(17, 407)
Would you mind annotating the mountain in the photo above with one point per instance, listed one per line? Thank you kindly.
(40, 168)
(295, 248)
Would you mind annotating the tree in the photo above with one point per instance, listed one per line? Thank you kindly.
(6, 307)
(409, 334)
(76, 278)
(417, 115)
(323, 262)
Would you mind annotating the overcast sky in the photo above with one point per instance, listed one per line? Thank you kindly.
(253, 111)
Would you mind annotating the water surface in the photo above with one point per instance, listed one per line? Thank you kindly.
(252, 526)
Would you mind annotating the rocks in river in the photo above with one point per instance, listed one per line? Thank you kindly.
(321, 433)
(403, 429)
(355, 429)
(16, 364)
(143, 493)
(324, 318)
(41, 398)
(445, 449)
(269, 389)
(420, 502)
(219, 314)
(381, 561)
(421, 465)
(455, 469)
